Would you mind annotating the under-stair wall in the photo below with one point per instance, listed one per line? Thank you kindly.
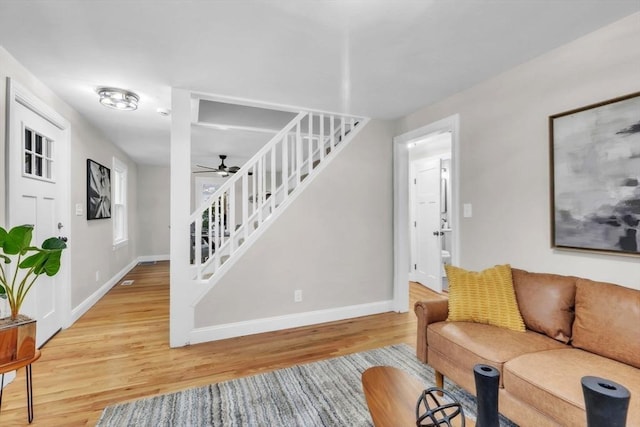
(334, 243)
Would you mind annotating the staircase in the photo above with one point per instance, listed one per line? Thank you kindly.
(229, 221)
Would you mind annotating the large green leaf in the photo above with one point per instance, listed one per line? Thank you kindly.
(3, 292)
(54, 243)
(3, 236)
(52, 266)
(34, 260)
(45, 261)
(17, 240)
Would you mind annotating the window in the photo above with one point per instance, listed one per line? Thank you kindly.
(38, 155)
(119, 212)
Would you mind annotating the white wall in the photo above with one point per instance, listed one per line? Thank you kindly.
(334, 243)
(90, 245)
(153, 211)
(504, 151)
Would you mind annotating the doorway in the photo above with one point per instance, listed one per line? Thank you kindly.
(403, 146)
(38, 183)
(429, 207)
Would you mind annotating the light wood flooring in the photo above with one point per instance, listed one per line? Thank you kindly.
(119, 351)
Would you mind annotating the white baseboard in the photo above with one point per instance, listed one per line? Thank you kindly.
(256, 326)
(151, 258)
(85, 305)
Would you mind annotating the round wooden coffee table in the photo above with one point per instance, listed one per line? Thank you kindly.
(392, 395)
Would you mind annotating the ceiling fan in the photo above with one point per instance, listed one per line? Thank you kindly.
(222, 169)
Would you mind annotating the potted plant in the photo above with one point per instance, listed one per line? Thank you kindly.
(20, 266)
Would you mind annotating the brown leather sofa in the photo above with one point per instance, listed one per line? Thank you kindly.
(575, 327)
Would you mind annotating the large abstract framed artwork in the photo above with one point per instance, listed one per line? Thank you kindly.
(595, 177)
(98, 191)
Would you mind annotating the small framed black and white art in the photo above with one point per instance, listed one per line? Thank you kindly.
(98, 191)
(595, 177)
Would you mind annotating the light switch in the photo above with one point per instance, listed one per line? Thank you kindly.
(79, 209)
(467, 212)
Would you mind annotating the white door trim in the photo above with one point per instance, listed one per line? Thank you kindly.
(401, 213)
(19, 94)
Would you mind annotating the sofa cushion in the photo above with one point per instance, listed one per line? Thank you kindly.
(550, 382)
(483, 297)
(607, 321)
(546, 302)
(466, 344)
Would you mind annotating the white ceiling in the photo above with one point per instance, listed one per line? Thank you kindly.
(375, 58)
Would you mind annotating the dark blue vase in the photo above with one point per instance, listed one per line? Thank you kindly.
(606, 402)
(487, 382)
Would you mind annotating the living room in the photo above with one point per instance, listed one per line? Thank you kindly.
(504, 175)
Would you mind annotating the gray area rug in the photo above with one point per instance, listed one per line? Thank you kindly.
(325, 393)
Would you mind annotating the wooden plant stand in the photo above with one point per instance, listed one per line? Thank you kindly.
(15, 366)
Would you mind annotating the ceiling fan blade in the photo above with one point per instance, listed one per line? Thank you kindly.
(208, 167)
(233, 169)
(209, 171)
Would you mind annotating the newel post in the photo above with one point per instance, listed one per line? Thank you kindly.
(181, 313)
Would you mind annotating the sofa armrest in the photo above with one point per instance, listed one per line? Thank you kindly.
(428, 312)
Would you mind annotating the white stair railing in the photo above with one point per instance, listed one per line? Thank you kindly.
(229, 218)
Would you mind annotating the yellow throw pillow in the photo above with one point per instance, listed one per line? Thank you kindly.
(484, 297)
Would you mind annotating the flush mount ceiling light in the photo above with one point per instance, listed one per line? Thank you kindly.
(119, 99)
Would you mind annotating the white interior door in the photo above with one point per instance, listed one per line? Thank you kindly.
(37, 195)
(428, 261)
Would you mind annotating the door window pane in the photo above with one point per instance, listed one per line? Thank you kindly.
(27, 163)
(48, 167)
(27, 139)
(38, 144)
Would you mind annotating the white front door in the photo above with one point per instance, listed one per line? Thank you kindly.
(428, 261)
(36, 186)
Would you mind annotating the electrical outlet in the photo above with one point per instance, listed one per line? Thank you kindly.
(97, 275)
(297, 296)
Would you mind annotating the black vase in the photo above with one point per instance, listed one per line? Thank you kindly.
(606, 402)
(487, 382)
